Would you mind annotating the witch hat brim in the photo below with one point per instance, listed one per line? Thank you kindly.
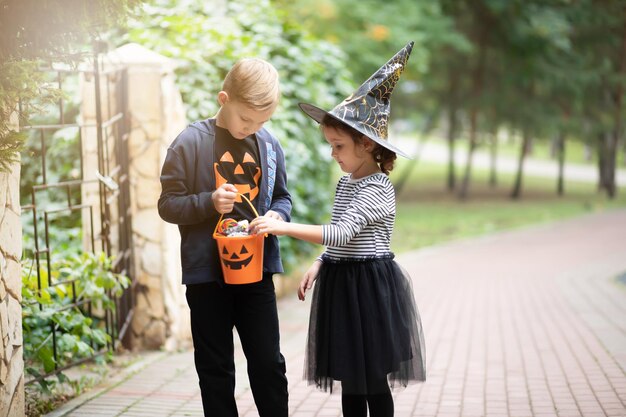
(318, 115)
(367, 109)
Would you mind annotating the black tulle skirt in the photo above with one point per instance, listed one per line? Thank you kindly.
(364, 328)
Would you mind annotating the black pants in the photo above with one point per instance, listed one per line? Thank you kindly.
(251, 308)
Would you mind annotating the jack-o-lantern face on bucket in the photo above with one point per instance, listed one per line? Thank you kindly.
(236, 260)
(236, 172)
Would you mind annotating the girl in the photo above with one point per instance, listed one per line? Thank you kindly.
(364, 328)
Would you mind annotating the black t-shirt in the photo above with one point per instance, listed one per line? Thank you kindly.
(237, 163)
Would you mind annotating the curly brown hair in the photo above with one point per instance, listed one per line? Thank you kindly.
(384, 157)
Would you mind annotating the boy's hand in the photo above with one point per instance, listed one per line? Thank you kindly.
(265, 224)
(309, 277)
(224, 198)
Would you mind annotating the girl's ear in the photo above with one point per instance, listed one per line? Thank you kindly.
(368, 143)
(222, 97)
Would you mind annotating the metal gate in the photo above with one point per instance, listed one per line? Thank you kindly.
(99, 198)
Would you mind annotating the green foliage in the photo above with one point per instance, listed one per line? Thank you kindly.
(58, 305)
(206, 42)
(18, 80)
(10, 145)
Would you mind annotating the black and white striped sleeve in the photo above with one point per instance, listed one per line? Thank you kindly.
(360, 207)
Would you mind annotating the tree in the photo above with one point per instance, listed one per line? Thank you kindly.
(611, 54)
(529, 70)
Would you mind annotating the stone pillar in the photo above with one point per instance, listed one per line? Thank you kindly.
(161, 317)
(11, 345)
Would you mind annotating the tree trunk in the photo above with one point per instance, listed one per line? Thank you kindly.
(517, 186)
(601, 162)
(452, 129)
(610, 156)
(493, 175)
(530, 147)
(615, 135)
(610, 140)
(560, 149)
(477, 79)
(470, 154)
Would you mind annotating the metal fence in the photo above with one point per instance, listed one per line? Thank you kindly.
(97, 200)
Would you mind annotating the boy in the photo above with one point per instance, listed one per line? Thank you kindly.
(205, 167)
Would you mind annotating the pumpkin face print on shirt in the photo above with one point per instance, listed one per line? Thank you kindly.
(237, 163)
(244, 174)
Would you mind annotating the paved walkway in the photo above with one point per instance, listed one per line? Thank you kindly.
(521, 323)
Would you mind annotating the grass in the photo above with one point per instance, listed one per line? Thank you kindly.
(427, 214)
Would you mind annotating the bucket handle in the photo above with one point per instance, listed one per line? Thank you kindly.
(222, 215)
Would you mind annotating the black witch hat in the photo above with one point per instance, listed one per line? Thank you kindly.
(367, 109)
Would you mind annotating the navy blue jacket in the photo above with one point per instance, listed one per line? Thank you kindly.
(188, 182)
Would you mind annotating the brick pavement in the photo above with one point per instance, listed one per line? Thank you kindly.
(521, 323)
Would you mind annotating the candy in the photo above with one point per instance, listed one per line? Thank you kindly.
(230, 227)
(225, 224)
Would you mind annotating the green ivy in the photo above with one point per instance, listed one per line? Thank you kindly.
(79, 282)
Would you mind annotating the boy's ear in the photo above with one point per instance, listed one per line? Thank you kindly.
(222, 97)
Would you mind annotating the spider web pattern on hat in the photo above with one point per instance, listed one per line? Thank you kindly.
(370, 104)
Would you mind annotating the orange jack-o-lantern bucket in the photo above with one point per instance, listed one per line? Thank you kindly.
(241, 256)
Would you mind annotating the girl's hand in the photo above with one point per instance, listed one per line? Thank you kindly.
(309, 277)
(274, 215)
(265, 224)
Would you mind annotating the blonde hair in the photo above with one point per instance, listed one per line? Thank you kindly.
(253, 82)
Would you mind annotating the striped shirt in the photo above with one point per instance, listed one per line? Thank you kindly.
(362, 218)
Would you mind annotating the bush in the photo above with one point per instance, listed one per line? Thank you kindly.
(66, 312)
